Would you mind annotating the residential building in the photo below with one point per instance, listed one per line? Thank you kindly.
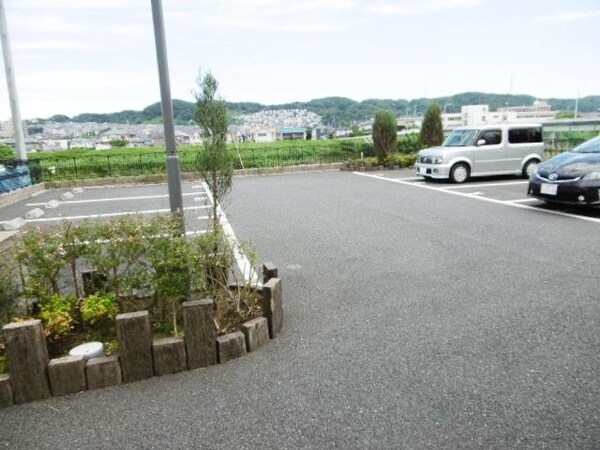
(292, 133)
(321, 133)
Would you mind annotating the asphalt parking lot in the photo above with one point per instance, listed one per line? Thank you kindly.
(501, 190)
(416, 316)
(110, 202)
(107, 202)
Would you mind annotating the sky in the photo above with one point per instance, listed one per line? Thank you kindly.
(77, 56)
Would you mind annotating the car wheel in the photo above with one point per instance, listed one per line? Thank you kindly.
(459, 173)
(529, 168)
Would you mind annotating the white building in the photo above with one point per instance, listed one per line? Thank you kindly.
(264, 135)
(481, 115)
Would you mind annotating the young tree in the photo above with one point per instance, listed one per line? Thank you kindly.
(216, 163)
(432, 131)
(384, 134)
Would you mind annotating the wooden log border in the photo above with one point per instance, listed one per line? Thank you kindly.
(165, 365)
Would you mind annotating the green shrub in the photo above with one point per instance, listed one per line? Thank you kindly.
(403, 161)
(409, 143)
(6, 153)
(57, 314)
(96, 309)
(133, 261)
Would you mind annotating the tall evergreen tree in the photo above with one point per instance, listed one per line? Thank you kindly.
(216, 163)
(432, 131)
(385, 134)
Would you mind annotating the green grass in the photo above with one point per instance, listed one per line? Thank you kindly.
(80, 164)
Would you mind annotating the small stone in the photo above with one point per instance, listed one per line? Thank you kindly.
(34, 213)
(14, 224)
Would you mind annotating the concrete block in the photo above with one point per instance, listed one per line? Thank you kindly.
(231, 346)
(6, 395)
(67, 196)
(34, 213)
(14, 224)
(67, 375)
(256, 332)
(169, 355)
(135, 344)
(200, 333)
(102, 372)
(52, 204)
(269, 271)
(272, 304)
(27, 356)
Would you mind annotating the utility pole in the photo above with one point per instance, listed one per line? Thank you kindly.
(173, 168)
(12, 87)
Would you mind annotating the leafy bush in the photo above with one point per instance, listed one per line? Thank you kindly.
(409, 143)
(402, 161)
(6, 153)
(99, 309)
(130, 262)
(57, 314)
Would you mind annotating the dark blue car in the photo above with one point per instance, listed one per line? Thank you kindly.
(571, 178)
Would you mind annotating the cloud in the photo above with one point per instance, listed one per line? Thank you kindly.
(424, 7)
(26, 23)
(286, 7)
(76, 5)
(570, 16)
(85, 79)
(53, 45)
(298, 27)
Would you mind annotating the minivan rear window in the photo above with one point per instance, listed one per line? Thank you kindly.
(524, 135)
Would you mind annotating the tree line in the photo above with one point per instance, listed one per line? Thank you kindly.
(336, 111)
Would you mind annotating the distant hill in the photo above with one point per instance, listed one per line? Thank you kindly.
(337, 110)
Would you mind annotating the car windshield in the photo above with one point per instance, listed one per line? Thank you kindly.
(460, 138)
(591, 146)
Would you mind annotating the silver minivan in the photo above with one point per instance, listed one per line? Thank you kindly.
(484, 150)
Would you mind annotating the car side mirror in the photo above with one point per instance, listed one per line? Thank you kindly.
(481, 142)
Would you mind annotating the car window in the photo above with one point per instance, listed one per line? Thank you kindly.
(525, 135)
(460, 138)
(591, 146)
(491, 137)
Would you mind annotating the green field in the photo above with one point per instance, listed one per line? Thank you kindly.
(78, 164)
(85, 164)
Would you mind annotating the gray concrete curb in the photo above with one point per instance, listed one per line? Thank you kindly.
(25, 193)
(188, 176)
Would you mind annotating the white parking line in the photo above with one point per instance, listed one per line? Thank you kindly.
(113, 199)
(523, 200)
(410, 179)
(484, 199)
(467, 186)
(116, 214)
(243, 263)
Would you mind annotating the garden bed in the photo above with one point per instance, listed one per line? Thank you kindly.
(77, 278)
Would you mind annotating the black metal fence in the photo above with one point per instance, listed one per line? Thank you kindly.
(102, 166)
